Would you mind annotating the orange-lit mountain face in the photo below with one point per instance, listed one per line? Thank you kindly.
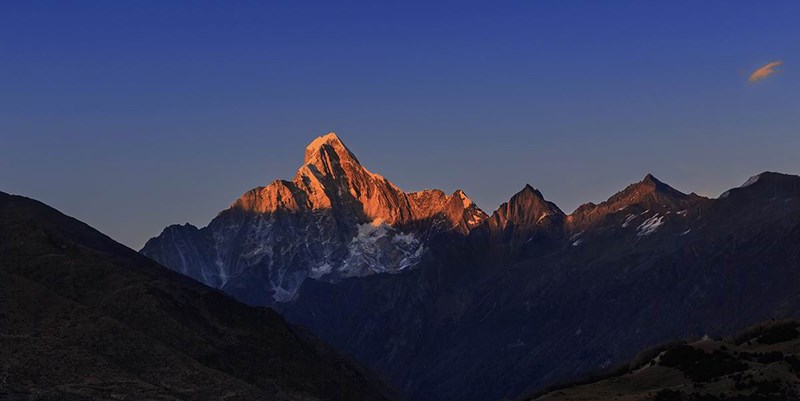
(332, 178)
(335, 219)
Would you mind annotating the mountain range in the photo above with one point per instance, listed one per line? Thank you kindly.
(450, 303)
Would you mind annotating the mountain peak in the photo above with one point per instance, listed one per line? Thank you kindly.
(330, 137)
(329, 141)
(651, 182)
(526, 208)
(465, 200)
(650, 179)
(648, 194)
(528, 192)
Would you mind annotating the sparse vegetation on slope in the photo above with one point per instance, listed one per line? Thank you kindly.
(759, 364)
(83, 317)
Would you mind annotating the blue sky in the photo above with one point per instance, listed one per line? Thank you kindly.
(135, 115)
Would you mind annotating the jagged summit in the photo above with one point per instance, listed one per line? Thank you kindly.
(330, 137)
(329, 142)
(648, 195)
(649, 179)
(530, 194)
(466, 201)
(649, 189)
(649, 182)
(334, 219)
(528, 190)
(526, 209)
(331, 178)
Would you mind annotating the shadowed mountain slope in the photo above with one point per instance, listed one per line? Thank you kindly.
(569, 302)
(83, 317)
(758, 364)
(334, 220)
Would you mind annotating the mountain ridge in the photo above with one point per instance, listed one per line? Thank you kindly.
(84, 317)
(333, 192)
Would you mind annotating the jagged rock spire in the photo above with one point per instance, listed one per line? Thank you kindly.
(526, 209)
(329, 142)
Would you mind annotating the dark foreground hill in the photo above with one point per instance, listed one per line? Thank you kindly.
(759, 364)
(83, 317)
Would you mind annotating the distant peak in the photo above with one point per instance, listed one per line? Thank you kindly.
(650, 178)
(530, 196)
(652, 181)
(527, 208)
(328, 140)
(770, 178)
(529, 190)
(767, 175)
(652, 184)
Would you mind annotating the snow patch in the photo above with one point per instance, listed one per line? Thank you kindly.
(321, 270)
(628, 220)
(282, 295)
(544, 216)
(650, 226)
(378, 248)
(750, 181)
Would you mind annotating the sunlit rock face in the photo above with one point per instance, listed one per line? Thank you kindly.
(335, 219)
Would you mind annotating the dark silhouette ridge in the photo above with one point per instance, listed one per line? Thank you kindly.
(84, 317)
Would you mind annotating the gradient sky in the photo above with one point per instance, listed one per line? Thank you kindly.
(134, 115)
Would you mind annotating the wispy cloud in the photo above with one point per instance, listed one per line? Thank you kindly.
(764, 71)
